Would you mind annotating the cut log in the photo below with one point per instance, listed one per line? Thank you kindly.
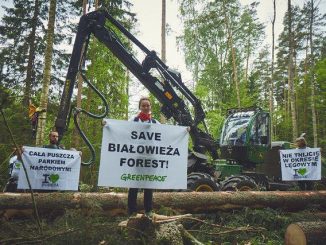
(184, 202)
(306, 233)
(319, 215)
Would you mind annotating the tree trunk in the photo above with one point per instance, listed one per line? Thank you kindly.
(163, 45)
(291, 75)
(142, 231)
(75, 134)
(305, 94)
(31, 56)
(271, 87)
(233, 54)
(46, 74)
(183, 202)
(302, 233)
(160, 230)
(247, 58)
(312, 77)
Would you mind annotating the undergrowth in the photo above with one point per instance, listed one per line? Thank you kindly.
(246, 226)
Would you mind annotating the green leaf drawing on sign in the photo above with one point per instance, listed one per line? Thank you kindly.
(302, 171)
(54, 178)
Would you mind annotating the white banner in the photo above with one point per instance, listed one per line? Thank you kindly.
(143, 155)
(301, 164)
(50, 169)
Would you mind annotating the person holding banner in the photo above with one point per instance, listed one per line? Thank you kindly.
(144, 116)
(15, 163)
(53, 139)
(302, 144)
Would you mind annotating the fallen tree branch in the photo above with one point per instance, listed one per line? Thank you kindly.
(231, 230)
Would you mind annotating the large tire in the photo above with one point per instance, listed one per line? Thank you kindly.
(239, 183)
(201, 182)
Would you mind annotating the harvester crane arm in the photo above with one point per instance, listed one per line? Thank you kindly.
(103, 26)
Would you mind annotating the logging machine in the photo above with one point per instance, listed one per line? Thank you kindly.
(251, 160)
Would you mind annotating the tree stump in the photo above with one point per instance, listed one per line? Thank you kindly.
(306, 233)
(158, 230)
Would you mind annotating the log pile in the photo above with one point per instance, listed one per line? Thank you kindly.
(184, 202)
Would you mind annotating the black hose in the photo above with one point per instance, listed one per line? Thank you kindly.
(76, 112)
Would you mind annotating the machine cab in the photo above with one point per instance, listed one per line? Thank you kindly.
(245, 135)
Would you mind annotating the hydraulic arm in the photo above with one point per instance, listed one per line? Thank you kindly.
(99, 23)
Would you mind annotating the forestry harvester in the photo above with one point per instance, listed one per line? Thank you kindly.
(252, 160)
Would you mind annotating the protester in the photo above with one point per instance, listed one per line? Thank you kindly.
(303, 184)
(144, 116)
(15, 164)
(53, 141)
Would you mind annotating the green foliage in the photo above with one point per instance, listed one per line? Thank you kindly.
(74, 227)
(16, 30)
(268, 226)
(205, 41)
(19, 124)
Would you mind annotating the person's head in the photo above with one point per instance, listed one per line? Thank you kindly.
(145, 105)
(53, 137)
(301, 142)
(17, 151)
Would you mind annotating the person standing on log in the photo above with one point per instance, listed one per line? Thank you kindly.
(304, 185)
(144, 116)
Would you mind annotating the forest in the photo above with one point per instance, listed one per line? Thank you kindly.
(224, 45)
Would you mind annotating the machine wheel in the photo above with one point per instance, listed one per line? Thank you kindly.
(239, 183)
(201, 182)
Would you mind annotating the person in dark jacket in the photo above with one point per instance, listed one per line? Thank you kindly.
(144, 116)
(54, 141)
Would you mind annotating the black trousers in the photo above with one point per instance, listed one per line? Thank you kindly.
(132, 200)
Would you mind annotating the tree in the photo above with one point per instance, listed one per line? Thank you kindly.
(47, 74)
(163, 44)
(312, 76)
(228, 27)
(271, 87)
(75, 139)
(31, 55)
(291, 75)
(22, 23)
